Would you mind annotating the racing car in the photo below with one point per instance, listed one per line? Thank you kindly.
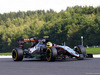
(45, 50)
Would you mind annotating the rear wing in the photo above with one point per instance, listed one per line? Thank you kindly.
(22, 41)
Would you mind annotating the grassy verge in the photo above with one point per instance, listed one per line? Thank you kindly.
(5, 53)
(93, 50)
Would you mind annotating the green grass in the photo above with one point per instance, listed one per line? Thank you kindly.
(93, 50)
(9, 53)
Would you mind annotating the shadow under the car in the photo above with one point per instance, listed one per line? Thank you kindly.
(58, 60)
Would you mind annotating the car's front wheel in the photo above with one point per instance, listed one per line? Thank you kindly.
(81, 50)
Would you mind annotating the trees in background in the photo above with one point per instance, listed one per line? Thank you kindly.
(65, 26)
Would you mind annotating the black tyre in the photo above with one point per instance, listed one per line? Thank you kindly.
(89, 55)
(17, 54)
(81, 50)
(51, 54)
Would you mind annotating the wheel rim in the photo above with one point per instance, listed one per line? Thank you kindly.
(14, 54)
(48, 54)
(77, 50)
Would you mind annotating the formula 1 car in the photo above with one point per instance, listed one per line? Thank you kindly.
(44, 50)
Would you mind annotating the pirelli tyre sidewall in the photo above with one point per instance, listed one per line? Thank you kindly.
(51, 54)
(17, 54)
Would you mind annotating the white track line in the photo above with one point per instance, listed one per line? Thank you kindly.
(3, 56)
(96, 56)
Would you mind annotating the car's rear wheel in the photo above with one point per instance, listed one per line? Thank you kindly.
(81, 50)
(17, 54)
(51, 54)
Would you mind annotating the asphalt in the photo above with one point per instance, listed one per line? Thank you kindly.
(89, 66)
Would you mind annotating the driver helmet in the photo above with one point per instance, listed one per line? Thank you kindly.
(49, 44)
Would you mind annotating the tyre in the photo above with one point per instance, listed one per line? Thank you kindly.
(17, 54)
(51, 54)
(81, 50)
(89, 55)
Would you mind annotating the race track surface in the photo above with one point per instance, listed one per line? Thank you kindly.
(37, 67)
